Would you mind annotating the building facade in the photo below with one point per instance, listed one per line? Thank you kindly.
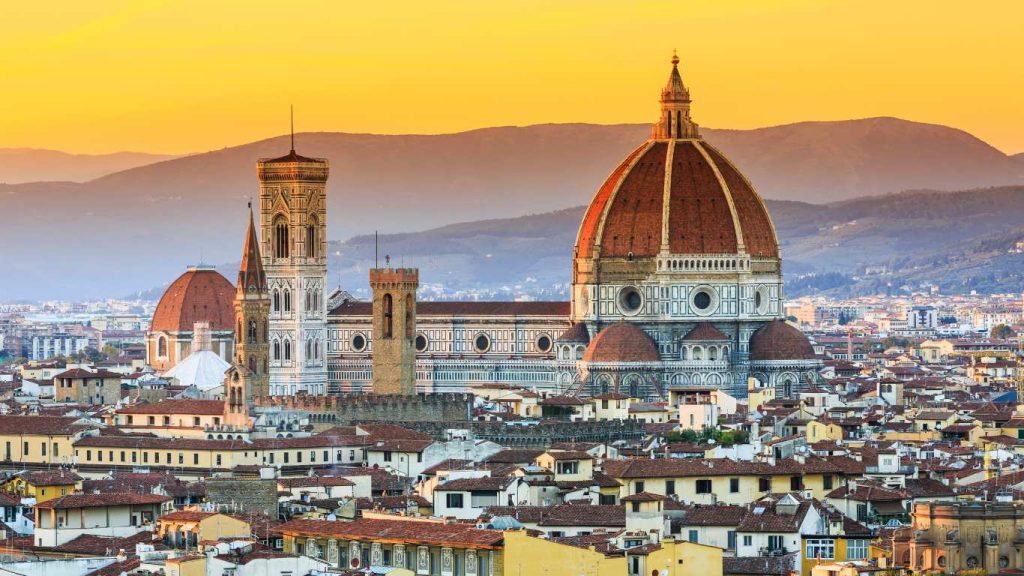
(676, 282)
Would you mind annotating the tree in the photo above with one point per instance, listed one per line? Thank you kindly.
(1001, 332)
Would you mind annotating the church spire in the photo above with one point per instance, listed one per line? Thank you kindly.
(675, 119)
(251, 277)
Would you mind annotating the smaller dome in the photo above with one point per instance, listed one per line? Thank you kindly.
(705, 332)
(199, 295)
(778, 340)
(622, 342)
(576, 334)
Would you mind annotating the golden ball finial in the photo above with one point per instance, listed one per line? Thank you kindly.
(675, 58)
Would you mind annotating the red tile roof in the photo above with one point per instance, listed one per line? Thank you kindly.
(486, 309)
(41, 425)
(99, 500)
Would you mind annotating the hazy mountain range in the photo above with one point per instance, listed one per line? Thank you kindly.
(19, 165)
(139, 227)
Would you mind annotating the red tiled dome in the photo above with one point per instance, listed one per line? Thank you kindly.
(778, 340)
(622, 342)
(198, 295)
(711, 208)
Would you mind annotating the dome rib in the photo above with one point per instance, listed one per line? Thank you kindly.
(588, 238)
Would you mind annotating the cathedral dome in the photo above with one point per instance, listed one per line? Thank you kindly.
(779, 340)
(199, 295)
(676, 194)
(622, 342)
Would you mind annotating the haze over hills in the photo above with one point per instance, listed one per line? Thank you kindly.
(19, 165)
(960, 241)
(140, 227)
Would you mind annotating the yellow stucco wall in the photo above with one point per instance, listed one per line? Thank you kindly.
(685, 559)
(525, 554)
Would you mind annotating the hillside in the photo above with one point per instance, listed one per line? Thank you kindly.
(19, 165)
(141, 226)
(960, 241)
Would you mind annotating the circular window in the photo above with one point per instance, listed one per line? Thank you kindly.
(702, 301)
(482, 343)
(630, 300)
(544, 343)
(761, 300)
(421, 343)
(359, 342)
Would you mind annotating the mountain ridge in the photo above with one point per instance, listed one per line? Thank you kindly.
(146, 222)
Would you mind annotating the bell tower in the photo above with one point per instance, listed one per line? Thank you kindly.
(394, 329)
(293, 220)
(252, 316)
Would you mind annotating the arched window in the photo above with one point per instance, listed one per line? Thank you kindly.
(410, 325)
(309, 300)
(316, 349)
(252, 332)
(161, 346)
(280, 236)
(277, 300)
(287, 350)
(277, 349)
(312, 237)
(252, 365)
(388, 306)
(287, 300)
(309, 349)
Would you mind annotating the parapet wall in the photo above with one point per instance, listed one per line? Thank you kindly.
(351, 408)
(541, 435)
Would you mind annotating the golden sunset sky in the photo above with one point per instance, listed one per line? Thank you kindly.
(189, 75)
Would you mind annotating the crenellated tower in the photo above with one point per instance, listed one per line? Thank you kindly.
(394, 329)
(293, 219)
(252, 316)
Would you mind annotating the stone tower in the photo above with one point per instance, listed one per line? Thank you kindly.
(394, 329)
(252, 314)
(293, 219)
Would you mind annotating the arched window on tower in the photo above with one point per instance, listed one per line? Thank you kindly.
(277, 350)
(252, 365)
(410, 325)
(388, 306)
(161, 346)
(280, 236)
(252, 332)
(309, 301)
(287, 300)
(316, 349)
(287, 350)
(309, 349)
(312, 237)
(277, 300)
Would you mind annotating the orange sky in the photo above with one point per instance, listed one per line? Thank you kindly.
(190, 75)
